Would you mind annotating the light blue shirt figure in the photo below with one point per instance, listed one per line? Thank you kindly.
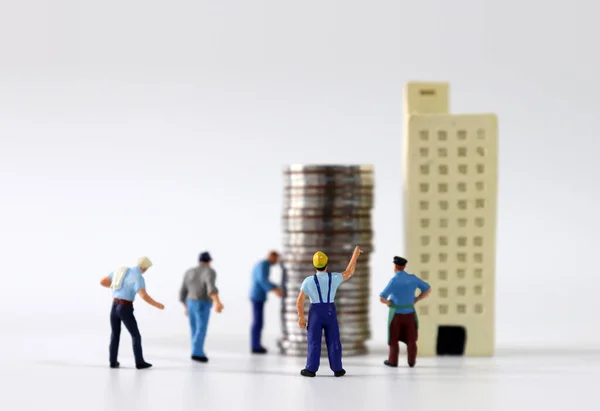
(401, 290)
(132, 282)
(309, 287)
(260, 281)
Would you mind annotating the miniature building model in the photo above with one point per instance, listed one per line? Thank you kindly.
(450, 220)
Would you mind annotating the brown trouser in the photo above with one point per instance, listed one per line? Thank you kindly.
(403, 328)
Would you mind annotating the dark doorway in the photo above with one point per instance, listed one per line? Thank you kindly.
(451, 340)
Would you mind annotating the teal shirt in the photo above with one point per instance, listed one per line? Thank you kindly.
(133, 281)
(401, 290)
(309, 287)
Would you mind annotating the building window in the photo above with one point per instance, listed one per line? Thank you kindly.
(424, 152)
(461, 291)
(462, 168)
(481, 134)
(480, 168)
(424, 168)
(424, 187)
(424, 205)
(479, 222)
(443, 257)
(443, 241)
(461, 309)
(424, 258)
(443, 308)
(424, 275)
(462, 134)
(478, 290)
(443, 292)
(480, 151)
(478, 309)
(442, 135)
(423, 310)
(478, 273)
(424, 222)
(424, 240)
(479, 186)
(461, 273)
(443, 187)
(462, 222)
(461, 257)
(443, 275)
(478, 257)
(462, 151)
(443, 223)
(424, 135)
(443, 205)
(462, 187)
(462, 241)
(462, 204)
(442, 152)
(443, 169)
(478, 241)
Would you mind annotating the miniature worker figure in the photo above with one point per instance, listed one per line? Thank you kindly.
(322, 315)
(403, 324)
(198, 293)
(258, 296)
(125, 283)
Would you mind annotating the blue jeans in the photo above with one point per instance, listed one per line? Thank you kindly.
(257, 324)
(198, 313)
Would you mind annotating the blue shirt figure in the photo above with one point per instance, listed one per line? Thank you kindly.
(132, 282)
(125, 283)
(399, 295)
(322, 315)
(258, 295)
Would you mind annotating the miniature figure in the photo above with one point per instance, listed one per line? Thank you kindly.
(125, 283)
(258, 295)
(402, 320)
(197, 294)
(322, 314)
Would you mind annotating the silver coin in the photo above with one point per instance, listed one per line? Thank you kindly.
(335, 180)
(330, 193)
(325, 213)
(335, 168)
(321, 202)
(336, 225)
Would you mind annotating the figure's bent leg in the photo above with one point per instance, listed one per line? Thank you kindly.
(115, 336)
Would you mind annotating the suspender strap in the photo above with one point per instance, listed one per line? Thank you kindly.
(318, 288)
(329, 291)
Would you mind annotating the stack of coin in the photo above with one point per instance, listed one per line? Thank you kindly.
(327, 208)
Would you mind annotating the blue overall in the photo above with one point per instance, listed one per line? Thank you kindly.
(323, 316)
(198, 313)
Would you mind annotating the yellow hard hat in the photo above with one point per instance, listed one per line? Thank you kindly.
(320, 260)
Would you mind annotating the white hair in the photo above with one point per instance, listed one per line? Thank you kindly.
(144, 263)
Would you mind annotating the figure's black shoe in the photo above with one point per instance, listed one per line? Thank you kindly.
(411, 364)
(340, 373)
(199, 359)
(143, 365)
(114, 364)
(307, 373)
(389, 364)
(259, 351)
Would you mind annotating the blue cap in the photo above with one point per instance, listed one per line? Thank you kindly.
(205, 257)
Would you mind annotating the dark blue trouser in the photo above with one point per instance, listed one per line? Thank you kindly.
(323, 316)
(124, 313)
(257, 324)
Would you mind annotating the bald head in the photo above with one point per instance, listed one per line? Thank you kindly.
(273, 257)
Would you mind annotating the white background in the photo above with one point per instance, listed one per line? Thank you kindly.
(158, 128)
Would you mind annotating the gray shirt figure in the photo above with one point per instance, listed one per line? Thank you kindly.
(198, 284)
